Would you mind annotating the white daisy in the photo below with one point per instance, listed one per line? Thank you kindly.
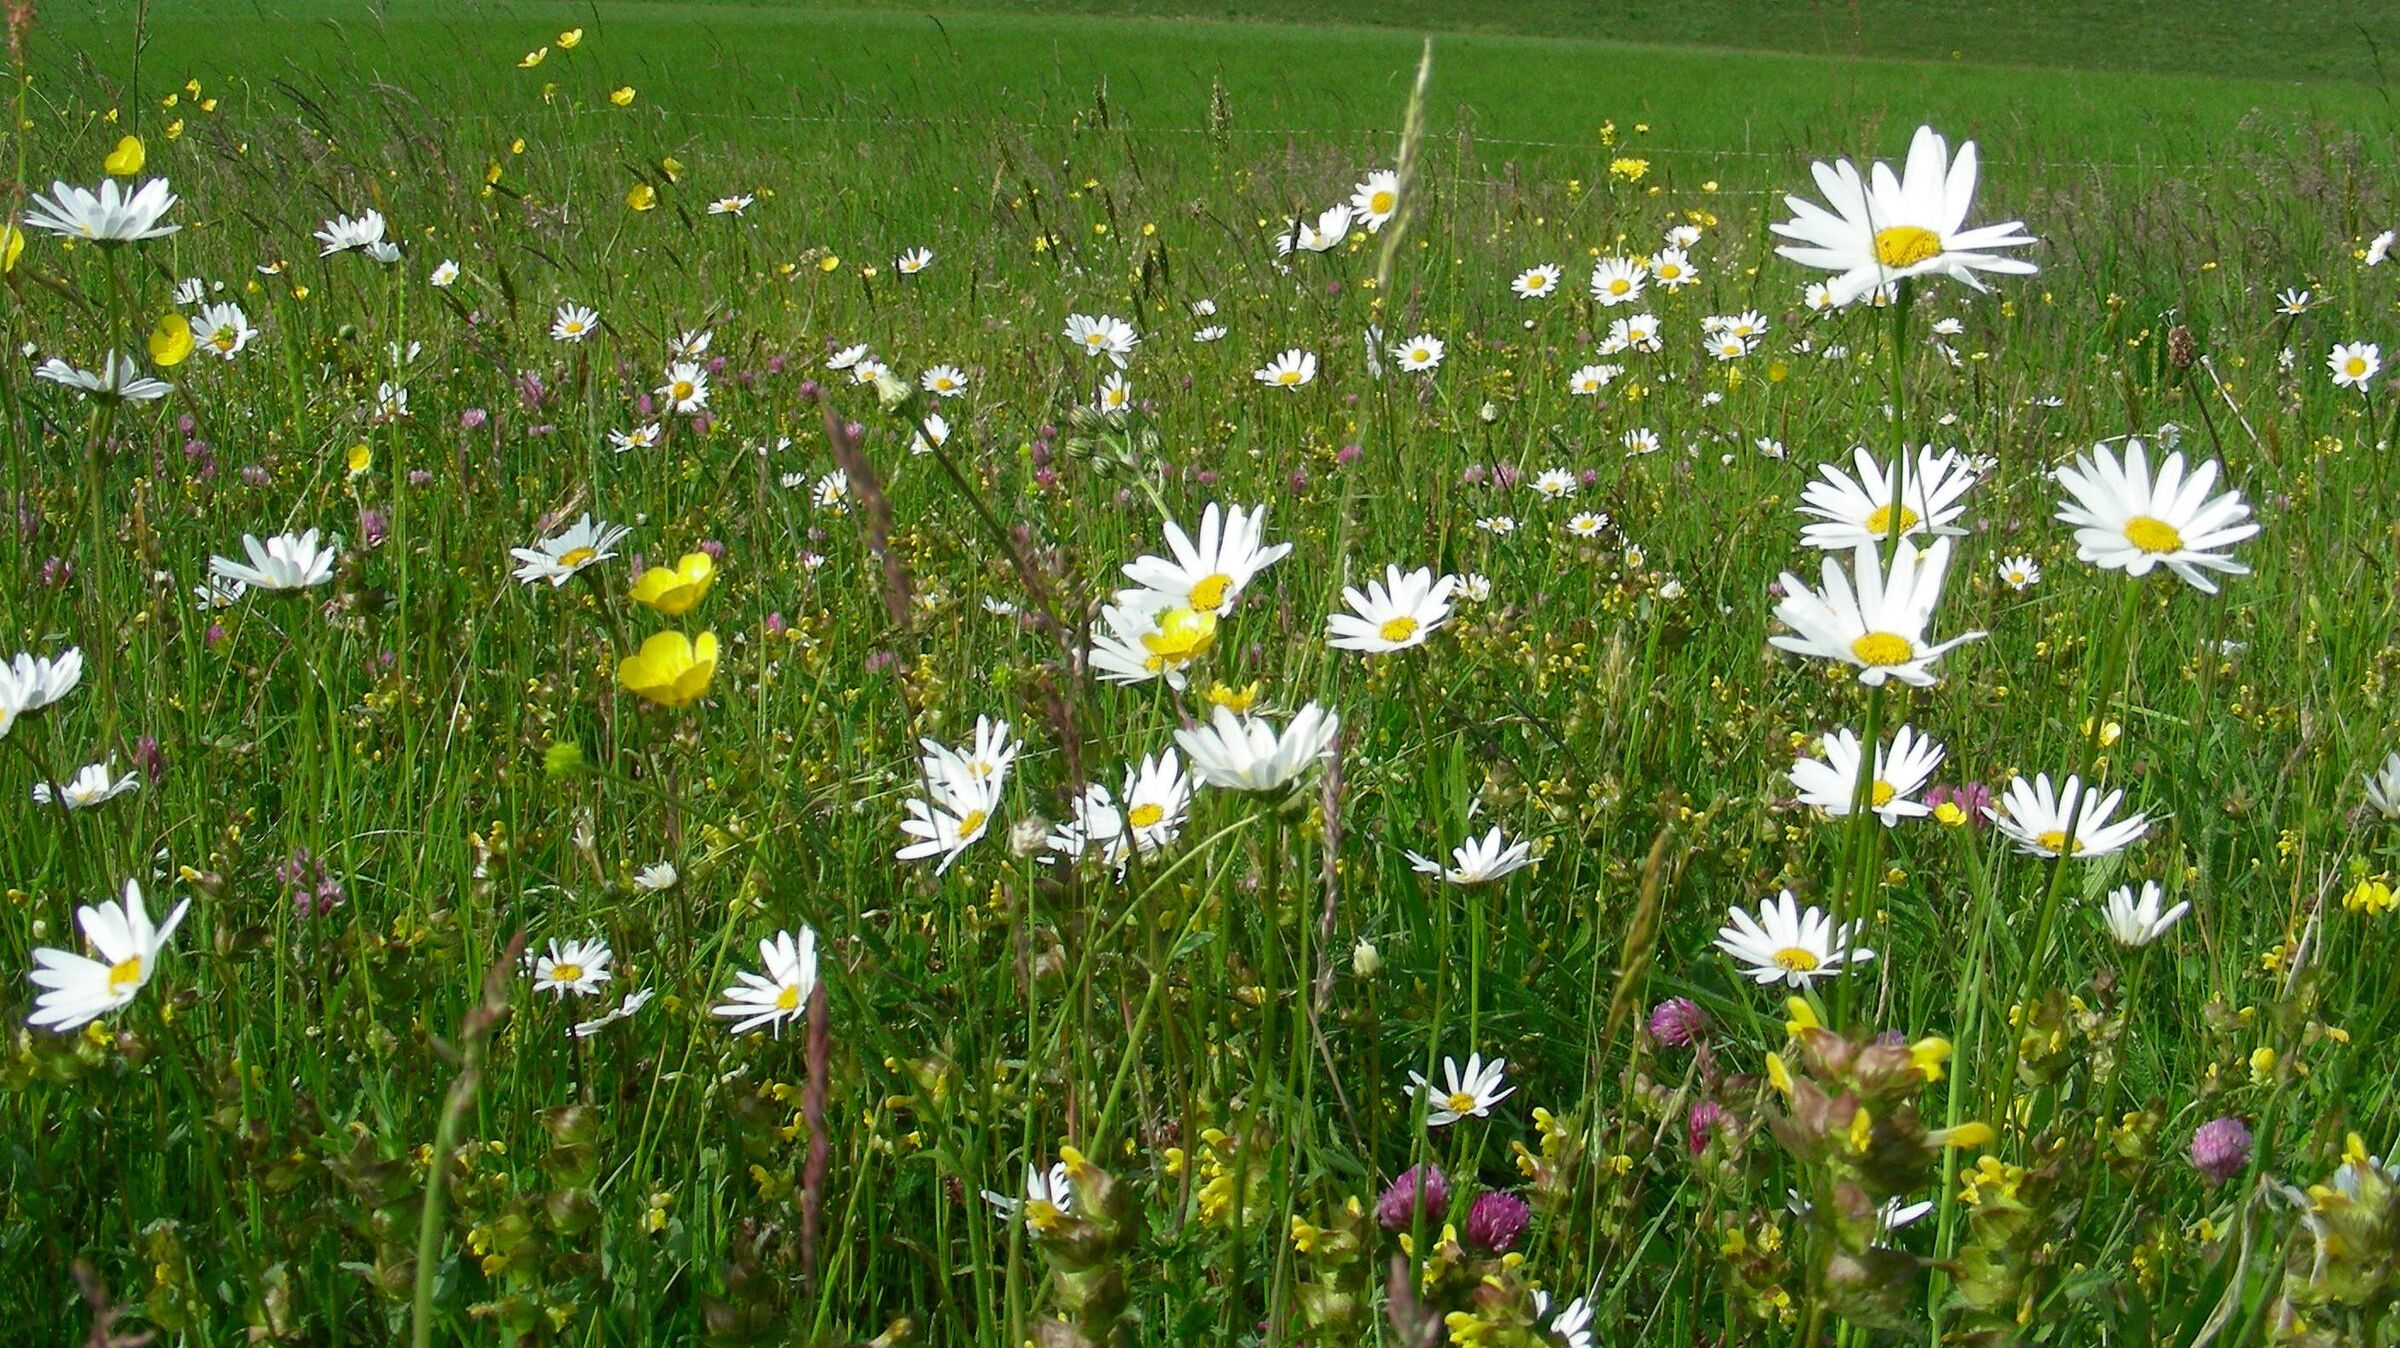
(1673, 268)
(1245, 753)
(579, 967)
(943, 381)
(443, 275)
(780, 995)
(78, 990)
(1208, 574)
(109, 215)
(1618, 280)
(1536, 283)
(1881, 232)
(2354, 364)
(947, 820)
(573, 323)
(2126, 520)
(1142, 637)
(1478, 861)
(1466, 1093)
(634, 1001)
(1392, 614)
(96, 784)
(2134, 919)
(342, 234)
(1831, 783)
(1047, 1201)
(2066, 821)
(1420, 354)
(558, 558)
(686, 389)
(117, 377)
(222, 330)
(1860, 510)
(913, 261)
(284, 562)
(1373, 201)
(2019, 572)
(1292, 369)
(1102, 335)
(2383, 786)
(1875, 623)
(1782, 943)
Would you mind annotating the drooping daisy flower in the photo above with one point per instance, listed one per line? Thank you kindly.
(2354, 364)
(2019, 572)
(573, 323)
(222, 330)
(558, 558)
(1536, 283)
(1618, 280)
(2134, 919)
(913, 261)
(1244, 753)
(109, 215)
(1420, 354)
(1292, 369)
(1860, 510)
(780, 995)
(30, 683)
(1466, 1093)
(284, 562)
(2383, 786)
(1320, 235)
(1875, 623)
(1048, 1198)
(579, 967)
(2126, 520)
(78, 989)
(1478, 861)
(1213, 332)
(1373, 201)
(1102, 335)
(94, 785)
(1882, 232)
(931, 434)
(117, 377)
(690, 344)
(1829, 784)
(1392, 614)
(342, 234)
(1782, 943)
(1572, 1326)
(943, 381)
(656, 877)
(634, 1001)
(686, 389)
(2070, 821)
(1206, 575)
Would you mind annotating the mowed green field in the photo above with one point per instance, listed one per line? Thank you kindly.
(374, 1087)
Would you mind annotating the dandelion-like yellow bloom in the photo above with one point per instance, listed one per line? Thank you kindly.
(127, 159)
(673, 590)
(671, 669)
(170, 340)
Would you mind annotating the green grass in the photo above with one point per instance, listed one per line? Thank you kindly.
(244, 1153)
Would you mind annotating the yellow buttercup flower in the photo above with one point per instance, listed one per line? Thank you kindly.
(568, 40)
(642, 197)
(622, 96)
(175, 129)
(672, 167)
(127, 159)
(533, 58)
(170, 340)
(12, 246)
(673, 590)
(360, 459)
(670, 669)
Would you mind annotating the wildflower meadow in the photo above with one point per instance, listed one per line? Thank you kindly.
(704, 673)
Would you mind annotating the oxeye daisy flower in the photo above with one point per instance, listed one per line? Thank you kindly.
(1554, 483)
(1572, 1326)
(1587, 524)
(30, 683)
(832, 492)
(2383, 786)
(1245, 753)
(913, 261)
(1102, 335)
(2379, 248)
(108, 215)
(579, 967)
(686, 389)
(1590, 379)
(1726, 346)
(284, 562)
(222, 330)
(1639, 441)
(2292, 303)
(1477, 861)
(2126, 520)
(1618, 280)
(443, 274)
(2068, 821)
(1882, 231)
(1048, 1199)
(1781, 943)
(573, 323)
(95, 784)
(732, 205)
(1206, 574)
(1212, 333)
(1320, 235)
(1292, 369)
(558, 558)
(1373, 201)
(1157, 797)
(779, 994)
(1856, 510)
(1392, 614)
(932, 432)
(1871, 621)
(1143, 640)
(2134, 918)
(949, 818)
(1420, 354)
(981, 766)
(343, 234)
(690, 344)
(1673, 268)
(77, 989)
(1468, 1092)
(943, 381)
(2019, 572)
(1536, 283)
(644, 436)
(118, 377)
(1829, 783)
(2354, 364)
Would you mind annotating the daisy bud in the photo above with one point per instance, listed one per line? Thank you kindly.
(2221, 1149)
(1405, 1201)
(1496, 1221)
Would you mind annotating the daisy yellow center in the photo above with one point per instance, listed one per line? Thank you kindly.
(2055, 840)
(222, 339)
(1880, 522)
(125, 975)
(1461, 1102)
(972, 823)
(2356, 367)
(1398, 629)
(1209, 593)
(1669, 272)
(1877, 649)
(1287, 376)
(1797, 960)
(788, 999)
(2152, 535)
(1619, 286)
(941, 383)
(1906, 245)
(1381, 203)
(1145, 814)
(1881, 794)
(1093, 339)
(565, 973)
(576, 556)
(1419, 353)
(1536, 281)
(682, 389)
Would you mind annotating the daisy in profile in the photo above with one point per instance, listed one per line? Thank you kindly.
(932, 433)
(96, 784)
(1782, 943)
(1572, 1326)
(1468, 1092)
(1886, 228)
(779, 994)
(1536, 283)
(1102, 335)
(943, 381)
(1292, 369)
(31, 682)
(1640, 440)
(1638, 333)
(222, 330)
(1373, 201)
(1875, 622)
(444, 274)
(982, 765)
(732, 205)
(832, 492)
(342, 234)
(284, 562)
(686, 389)
(1421, 354)
(2019, 572)
(1618, 280)
(559, 558)
(1157, 798)
(2125, 520)
(1831, 783)
(2134, 918)
(913, 261)
(2354, 364)
(77, 989)
(2068, 821)
(1208, 573)
(1145, 639)
(1477, 861)
(1674, 270)
(579, 967)
(1320, 235)
(1392, 614)
(2379, 248)
(108, 215)
(2383, 786)
(573, 323)
(690, 344)
(1861, 509)
(1246, 753)
(1212, 333)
